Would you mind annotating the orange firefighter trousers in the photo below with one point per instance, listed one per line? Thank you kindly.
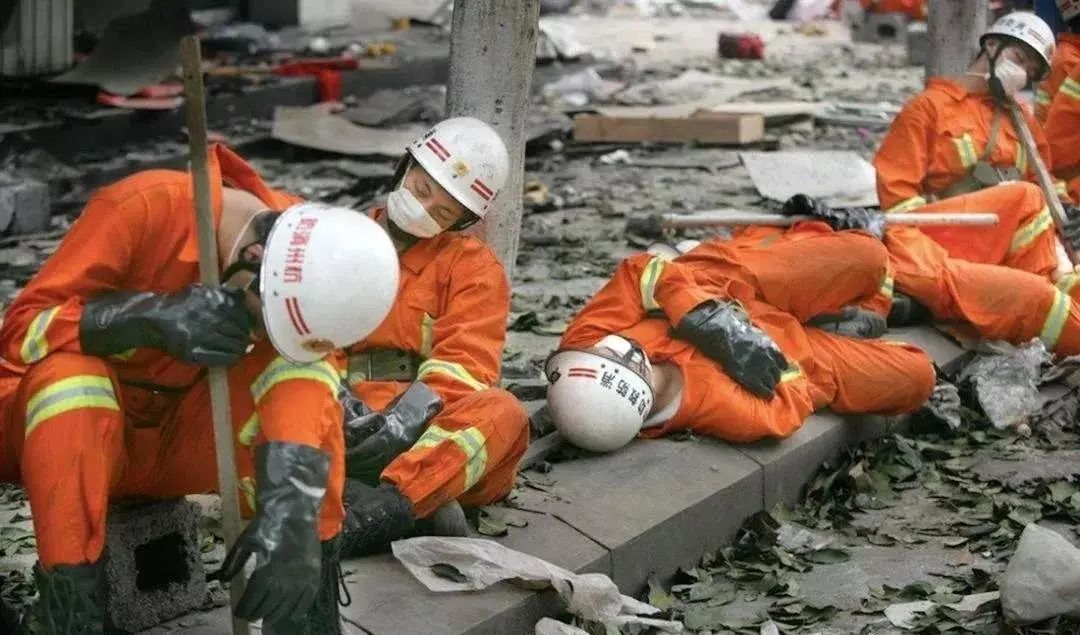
(74, 463)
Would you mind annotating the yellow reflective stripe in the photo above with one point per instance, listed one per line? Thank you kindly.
(908, 204)
(1028, 233)
(649, 278)
(246, 486)
(249, 430)
(887, 284)
(35, 344)
(427, 332)
(1021, 159)
(451, 369)
(793, 372)
(1071, 88)
(1061, 187)
(72, 393)
(282, 369)
(965, 147)
(1042, 97)
(1067, 282)
(1055, 320)
(471, 442)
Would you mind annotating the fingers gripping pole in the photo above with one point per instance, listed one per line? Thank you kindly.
(1042, 175)
(208, 272)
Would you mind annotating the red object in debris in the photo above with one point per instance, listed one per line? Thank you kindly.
(313, 66)
(161, 90)
(329, 85)
(139, 103)
(743, 46)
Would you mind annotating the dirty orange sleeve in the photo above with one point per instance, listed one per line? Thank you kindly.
(904, 157)
(642, 284)
(296, 403)
(94, 257)
(467, 338)
(1063, 127)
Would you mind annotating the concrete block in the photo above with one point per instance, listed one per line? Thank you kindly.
(939, 347)
(788, 464)
(388, 601)
(656, 504)
(24, 205)
(152, 563)
(918, 44)
(882, 28)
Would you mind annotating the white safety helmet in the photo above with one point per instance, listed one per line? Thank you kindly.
(328, 278)
(599, 403)
(467, 158)
(1068, 9)
(1029, 29)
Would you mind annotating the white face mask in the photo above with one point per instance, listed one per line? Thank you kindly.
(409, 215)
(1013, 77)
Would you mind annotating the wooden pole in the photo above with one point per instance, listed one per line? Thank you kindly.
(210, 275)
(1042, 175)
(954, 27)
(492, 55)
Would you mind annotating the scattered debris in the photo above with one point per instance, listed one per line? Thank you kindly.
(841, 179)
(136, 50)
(742, 46)
(1043, 578)
(315, 127)
(723, 128)
(581, 88)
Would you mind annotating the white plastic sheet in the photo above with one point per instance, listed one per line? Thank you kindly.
(482, 563)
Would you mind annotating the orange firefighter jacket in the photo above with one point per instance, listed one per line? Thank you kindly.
(451, 310)
(938, 138)
(1066, 58)
(139, 235)
(1063, 130)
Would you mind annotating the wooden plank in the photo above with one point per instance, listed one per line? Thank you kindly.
(721, 128)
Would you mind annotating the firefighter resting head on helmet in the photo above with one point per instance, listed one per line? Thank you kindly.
(449, 179)
(299, 271)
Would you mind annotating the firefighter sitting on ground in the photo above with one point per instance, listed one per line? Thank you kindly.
(428, 427)
(103, 393)
(738, 339)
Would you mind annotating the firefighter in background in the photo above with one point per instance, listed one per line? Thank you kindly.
(953, 146)
(725, 340)
(104, 393)
(1063, 113)
(1066, 59)
(429, 428)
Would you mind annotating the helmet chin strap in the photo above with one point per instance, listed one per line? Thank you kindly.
(997, 89)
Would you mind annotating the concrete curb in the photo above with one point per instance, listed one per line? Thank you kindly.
(652, 508)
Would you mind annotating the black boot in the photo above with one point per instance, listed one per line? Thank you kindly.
(71, 601)
(324, 617)
(377, 516)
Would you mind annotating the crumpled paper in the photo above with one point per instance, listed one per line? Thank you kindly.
(479, 563)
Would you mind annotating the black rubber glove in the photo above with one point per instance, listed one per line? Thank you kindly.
(374, 517)
(870, 221)
(851, 321)
(724, 334)
(1071, 230)
(374, 439)
(283, 537)
(198, 325)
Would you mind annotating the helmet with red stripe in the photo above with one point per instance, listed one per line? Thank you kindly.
(328, 278)
(467, 158)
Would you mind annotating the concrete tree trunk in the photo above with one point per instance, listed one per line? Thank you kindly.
(492, 54)
(954, 27)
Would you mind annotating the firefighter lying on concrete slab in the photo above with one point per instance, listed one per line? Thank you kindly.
(103, 393)
(738, 339)
(954, 144)
(428, 429)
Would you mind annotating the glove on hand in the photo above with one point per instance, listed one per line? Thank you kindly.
(870, 221)
(374, 439)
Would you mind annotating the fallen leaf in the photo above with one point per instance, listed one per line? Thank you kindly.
(828, 556)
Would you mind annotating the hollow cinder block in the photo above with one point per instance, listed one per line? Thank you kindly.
(24, 205)
(152, 564)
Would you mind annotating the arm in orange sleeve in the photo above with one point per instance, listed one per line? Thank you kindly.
(904, 158)
(467, 338)
(642, 284)
(1063, 129)
(94, 257)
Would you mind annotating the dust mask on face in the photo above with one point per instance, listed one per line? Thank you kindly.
(409, 215)
(1012, 76)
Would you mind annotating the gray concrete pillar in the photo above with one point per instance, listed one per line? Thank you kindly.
(955, 27)
(492, 54)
